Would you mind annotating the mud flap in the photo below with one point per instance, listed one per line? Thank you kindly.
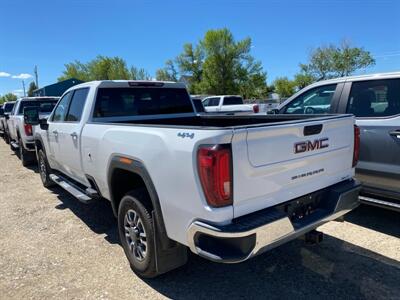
(168, 258)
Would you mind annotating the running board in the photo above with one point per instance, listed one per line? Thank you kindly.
(77, 192)
(15, 145)
(380, 203)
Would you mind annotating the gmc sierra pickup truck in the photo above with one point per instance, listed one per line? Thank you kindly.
(226, 187)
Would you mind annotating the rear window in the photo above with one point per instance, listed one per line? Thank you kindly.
(126, 102)
(8, 107)
(233, 101)
(46, 106)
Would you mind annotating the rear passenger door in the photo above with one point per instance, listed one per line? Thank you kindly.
(376, 105)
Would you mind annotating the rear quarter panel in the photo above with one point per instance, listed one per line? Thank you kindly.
(170, 161)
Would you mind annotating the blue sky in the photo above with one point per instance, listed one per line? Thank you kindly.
(147, 33)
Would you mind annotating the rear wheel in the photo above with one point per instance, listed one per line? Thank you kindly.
(24, 155)
(44, 169)
(136, 233)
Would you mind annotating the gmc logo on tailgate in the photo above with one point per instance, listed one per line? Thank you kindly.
(311, 145)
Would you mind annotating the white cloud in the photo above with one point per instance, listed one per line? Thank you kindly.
(22, 76)
(5, 74)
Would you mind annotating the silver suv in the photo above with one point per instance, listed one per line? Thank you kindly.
(375, 101)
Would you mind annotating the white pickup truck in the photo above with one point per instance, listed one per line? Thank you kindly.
(19, 133)
(226, 187)
(228, 103)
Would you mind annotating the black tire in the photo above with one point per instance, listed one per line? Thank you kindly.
(44, 169)
(6, 137)
(24, 155)
(132, 243)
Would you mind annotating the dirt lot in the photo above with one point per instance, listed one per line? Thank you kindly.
(52, 246)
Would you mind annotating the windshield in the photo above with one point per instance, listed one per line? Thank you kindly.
(8, 107)
(46, 106)
(233, 101)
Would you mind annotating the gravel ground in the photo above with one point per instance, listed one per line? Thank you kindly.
(52, 246)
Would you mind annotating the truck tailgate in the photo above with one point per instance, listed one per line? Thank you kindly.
(279, 162)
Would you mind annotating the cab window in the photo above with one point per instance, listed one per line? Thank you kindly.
(61, 108)
(375, 98)
(314, 101)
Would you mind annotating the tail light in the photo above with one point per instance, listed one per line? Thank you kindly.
(256, 108)
(215, 172)
(28, 129)
(356, 153)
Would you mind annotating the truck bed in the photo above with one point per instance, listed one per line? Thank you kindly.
(216, 121)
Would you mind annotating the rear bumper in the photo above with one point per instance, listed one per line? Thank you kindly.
(258, 232)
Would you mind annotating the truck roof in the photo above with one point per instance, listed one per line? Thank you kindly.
(38, 98)
(130, 83)
(374, 76)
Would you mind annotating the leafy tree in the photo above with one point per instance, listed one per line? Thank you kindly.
(229, 67)
(284, 87)
(303, 79)
(190, 63)
(32, 87)
(336, 61)
(8, 97)
(168, 73)
(102, 68)
(218, 64)
(139, 74)
(347, 60)
(76, 70)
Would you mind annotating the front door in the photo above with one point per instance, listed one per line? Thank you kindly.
(69, 137)
(52, 134)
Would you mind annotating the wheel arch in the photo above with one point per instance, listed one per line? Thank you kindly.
(135, 168)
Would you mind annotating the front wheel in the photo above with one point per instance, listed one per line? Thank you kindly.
(136, 233)
(44, 169)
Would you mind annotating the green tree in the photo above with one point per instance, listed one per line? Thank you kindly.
(284, 87)
(190, 63)
(8, 97)
(31, 88)
(139, 74)
(229, 67)
(303, 79)
(168, 73)
(218, 64)
(102, 68)
(336, 61)
(347, 60)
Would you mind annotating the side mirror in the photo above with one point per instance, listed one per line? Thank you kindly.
(43, 124)
(1, 112)
(31, 115)
(274, 111)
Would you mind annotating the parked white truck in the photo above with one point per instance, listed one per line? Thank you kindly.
(226, 187)
(228, 103)
(19, 133)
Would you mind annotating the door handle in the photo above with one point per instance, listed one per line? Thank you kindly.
(395, 133)
(74, 135)
(55, 132)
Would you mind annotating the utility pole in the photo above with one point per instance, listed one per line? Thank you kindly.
(23, 86)
(36, 77)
